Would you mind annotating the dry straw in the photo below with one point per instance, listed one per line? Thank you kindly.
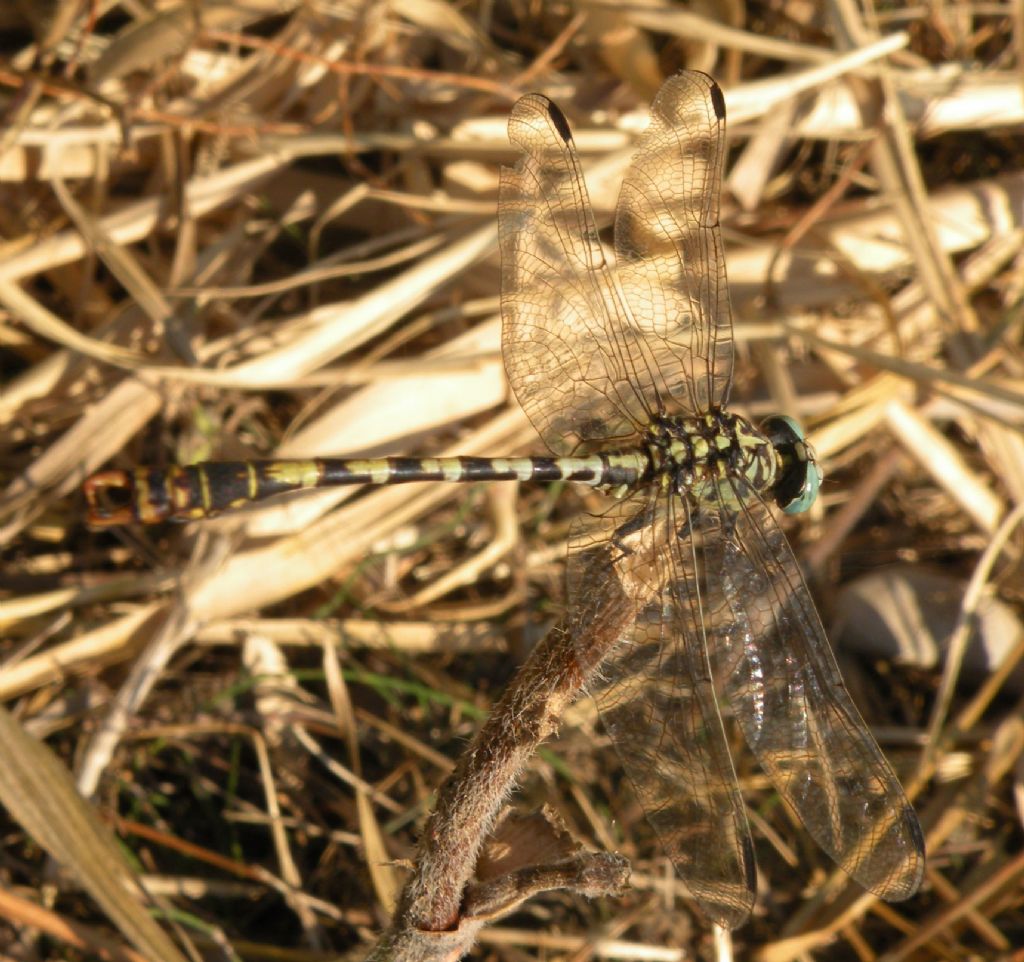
(269, 230)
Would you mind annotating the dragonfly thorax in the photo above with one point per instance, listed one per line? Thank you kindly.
(705, 455)
(718, 455)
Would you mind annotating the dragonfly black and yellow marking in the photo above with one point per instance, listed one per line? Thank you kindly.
(624, 365)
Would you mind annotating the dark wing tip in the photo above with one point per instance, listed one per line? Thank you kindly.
(717, 100)
(561, 124)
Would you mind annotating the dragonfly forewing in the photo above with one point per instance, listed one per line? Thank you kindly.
(782, 680)
(594, 348)
(668, 244)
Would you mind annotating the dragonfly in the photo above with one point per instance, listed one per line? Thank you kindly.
(623, 361)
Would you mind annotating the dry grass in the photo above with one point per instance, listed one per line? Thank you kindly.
(232, 234)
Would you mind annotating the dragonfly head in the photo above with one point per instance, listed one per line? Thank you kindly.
(798, 476)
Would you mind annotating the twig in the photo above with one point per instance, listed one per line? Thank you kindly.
(431, 920)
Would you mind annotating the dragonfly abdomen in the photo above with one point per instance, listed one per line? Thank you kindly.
(200, 490)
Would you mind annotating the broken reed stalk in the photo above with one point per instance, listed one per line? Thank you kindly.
(435, 916)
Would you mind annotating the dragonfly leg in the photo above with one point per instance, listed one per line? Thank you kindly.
(639, 522)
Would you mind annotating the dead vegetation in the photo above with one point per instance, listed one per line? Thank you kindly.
(268, 229)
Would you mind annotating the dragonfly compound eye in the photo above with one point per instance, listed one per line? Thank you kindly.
(629, 390)
(799, 475)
